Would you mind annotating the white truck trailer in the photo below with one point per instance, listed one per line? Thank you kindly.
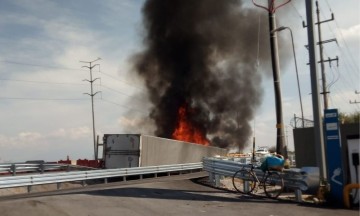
(137, 150)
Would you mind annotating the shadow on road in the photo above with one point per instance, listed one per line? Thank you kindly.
(199, 193)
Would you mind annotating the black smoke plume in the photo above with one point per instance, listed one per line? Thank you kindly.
(203, 54)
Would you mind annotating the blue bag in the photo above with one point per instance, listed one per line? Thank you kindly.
(272, 162)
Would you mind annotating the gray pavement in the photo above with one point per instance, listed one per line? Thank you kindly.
(176, 195)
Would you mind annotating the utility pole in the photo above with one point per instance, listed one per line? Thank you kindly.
(325, 92)
(318, 126)
(253, 147)
(296, 69)
(92, 94)
(280, 134)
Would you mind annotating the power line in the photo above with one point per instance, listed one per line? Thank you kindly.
(343, 39)
(352, 67)
(346, 46)
(123, 81)
(119, 92)
(39, 65)
(327, 3)
(42, 99)
(335, 77)
(297, 11)
(73, 99)
(66, 83)
(126, 107)
(41, 82)
(73, 69)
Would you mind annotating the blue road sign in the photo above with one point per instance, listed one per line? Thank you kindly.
(334, 155)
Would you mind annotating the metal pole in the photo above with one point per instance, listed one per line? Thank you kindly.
(296, 68)
(92, 94)
(297, 76)
(92, 110)
(280, 138)
(253, 150)
(318, 126)
(323, 76)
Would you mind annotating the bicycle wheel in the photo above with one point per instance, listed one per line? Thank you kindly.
(244, 181)
(273, 184)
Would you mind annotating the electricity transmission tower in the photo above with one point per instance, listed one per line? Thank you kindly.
(92, 94)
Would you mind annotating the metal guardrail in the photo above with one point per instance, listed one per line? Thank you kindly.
(51, 178)
(16, 168)
(297, 179)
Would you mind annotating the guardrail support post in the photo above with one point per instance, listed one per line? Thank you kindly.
(246, 186)
(42, 167)
(13, 169)
(156, 175)
(211, 178)
(105, 180)
(83, 183)
(298, 195)
(124, 178)
(29, 188)
(217, 180)
(58, 185)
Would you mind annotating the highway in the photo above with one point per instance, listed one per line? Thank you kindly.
(173, 195)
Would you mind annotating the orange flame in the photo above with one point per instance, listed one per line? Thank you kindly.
(186, 132)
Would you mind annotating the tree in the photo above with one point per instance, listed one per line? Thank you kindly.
(349, 118)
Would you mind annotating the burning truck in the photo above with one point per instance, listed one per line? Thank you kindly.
(134, 150)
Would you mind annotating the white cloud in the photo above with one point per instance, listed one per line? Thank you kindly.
(350, 34)
(22, 140)
(61, 132)
(72, 133)
(81, 132)
(30, 136)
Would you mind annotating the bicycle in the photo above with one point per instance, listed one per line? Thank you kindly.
(247, 182)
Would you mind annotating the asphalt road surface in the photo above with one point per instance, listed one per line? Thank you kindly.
(176, 195)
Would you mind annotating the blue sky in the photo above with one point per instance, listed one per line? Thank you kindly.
(45, 114)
